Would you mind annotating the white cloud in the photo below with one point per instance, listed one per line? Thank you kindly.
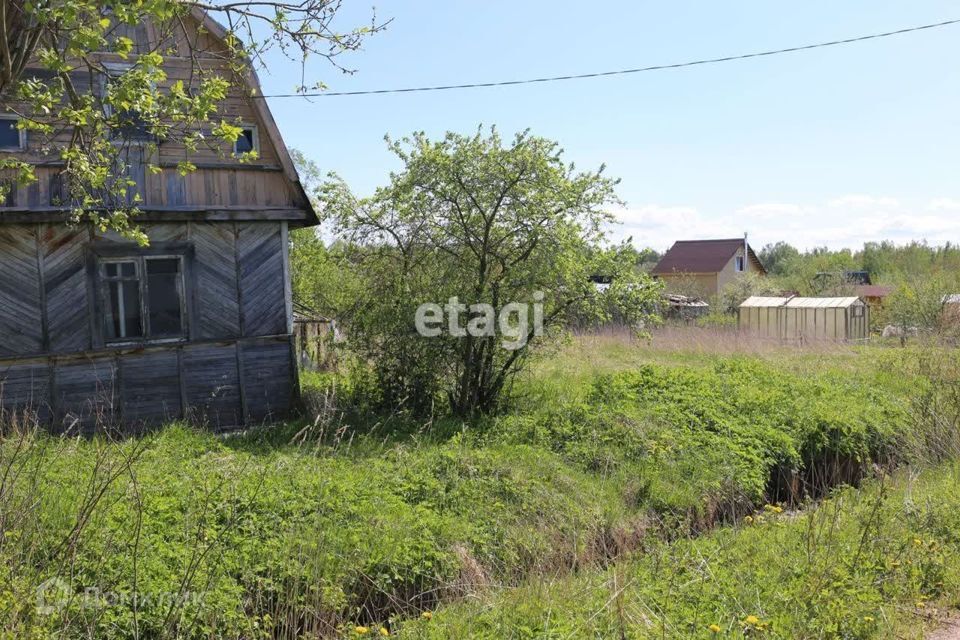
(861, 201)
(844, 221)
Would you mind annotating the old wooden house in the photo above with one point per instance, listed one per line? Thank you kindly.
(97, 330)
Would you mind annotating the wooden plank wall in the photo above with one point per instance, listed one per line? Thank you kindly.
(212, 186)
(237, 369)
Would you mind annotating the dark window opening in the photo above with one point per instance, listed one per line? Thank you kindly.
(247, 141)
(11, 137)
(130, 125)
(165, 297)
(740, 263)
(143, 298)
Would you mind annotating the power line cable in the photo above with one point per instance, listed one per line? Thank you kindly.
(619, 72)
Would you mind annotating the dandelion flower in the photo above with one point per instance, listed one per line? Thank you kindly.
(715, 628)
(361, 631)
(384, 632)
(752, 620)
(917, 541)
(426, 615)
(748, 519)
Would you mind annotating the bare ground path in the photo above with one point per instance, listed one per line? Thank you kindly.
(949, 632)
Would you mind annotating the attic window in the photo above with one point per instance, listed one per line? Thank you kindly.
(249, 141)
(739, 263)
(12, 138)
(128, 124)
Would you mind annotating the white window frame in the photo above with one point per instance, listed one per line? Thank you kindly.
(739, 264)
(23, 134)
(256, 140)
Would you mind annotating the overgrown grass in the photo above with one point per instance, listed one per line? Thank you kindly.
(883, 562)
(348, 519)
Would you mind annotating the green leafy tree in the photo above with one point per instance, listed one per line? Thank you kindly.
(97, 100)
(917, 304)
(323, 277)
(742, 287)
(473, 220)
(778, 258)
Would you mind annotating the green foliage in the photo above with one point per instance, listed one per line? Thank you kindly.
(476, 221)
(742, 287)
(126, 105)
(860, 565)
(887, 263)
(377, 519)
(709, 441)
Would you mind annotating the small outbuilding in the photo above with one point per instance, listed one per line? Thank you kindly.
(795, 318)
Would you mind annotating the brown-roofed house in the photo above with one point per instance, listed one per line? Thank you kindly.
(706, 265)
(874, 295)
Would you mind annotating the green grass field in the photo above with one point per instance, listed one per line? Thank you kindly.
(632, 490)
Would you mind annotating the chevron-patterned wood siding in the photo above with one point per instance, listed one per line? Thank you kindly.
(218, 303)
(65, 288)
(262, 296)
(21, 326)
(235, 368)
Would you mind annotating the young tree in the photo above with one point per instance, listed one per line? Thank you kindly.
(99, 98)
(471, 220)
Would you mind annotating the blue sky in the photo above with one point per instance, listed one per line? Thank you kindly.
(832, 147)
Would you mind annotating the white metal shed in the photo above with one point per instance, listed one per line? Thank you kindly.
(805, 318)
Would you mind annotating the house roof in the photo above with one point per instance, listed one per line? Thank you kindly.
(266, 116)
(873, 291)
(702, 256)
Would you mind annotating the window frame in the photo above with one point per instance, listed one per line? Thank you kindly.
(739, 264)
(115, 70)
(23, 134)
(101, 254)
(255, 130)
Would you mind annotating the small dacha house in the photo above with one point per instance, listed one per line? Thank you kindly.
(95, 329)
(704, 267)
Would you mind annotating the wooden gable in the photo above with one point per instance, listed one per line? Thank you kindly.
(222, 187)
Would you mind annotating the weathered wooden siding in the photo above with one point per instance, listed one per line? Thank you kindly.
(149, 387)
(26, 386)
(267, 387)
(20, 297)
(216, 264)
(65, 285)
(212, 381)
(211, 186)
(84, 394)
(237, 368)
(262, 298)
